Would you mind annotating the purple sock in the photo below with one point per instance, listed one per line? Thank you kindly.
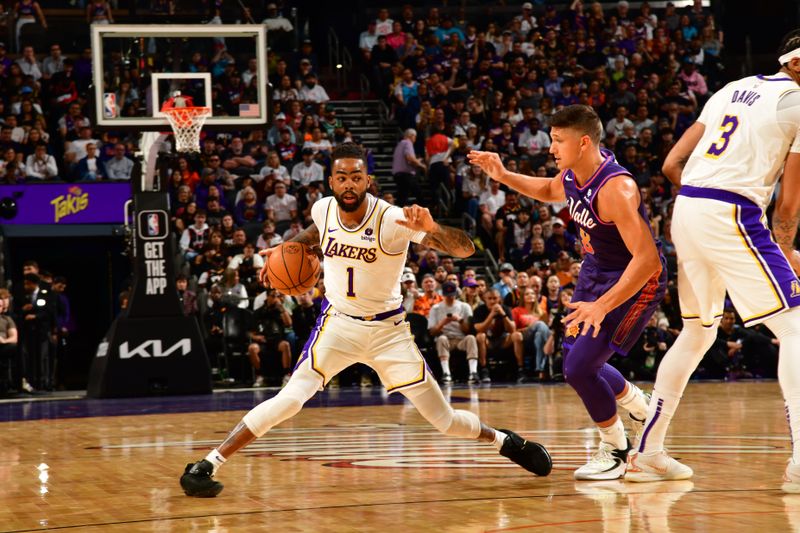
(585, 369)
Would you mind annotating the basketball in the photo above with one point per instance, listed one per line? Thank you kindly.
(293, 269)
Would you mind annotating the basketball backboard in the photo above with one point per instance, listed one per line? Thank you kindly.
(138, 67)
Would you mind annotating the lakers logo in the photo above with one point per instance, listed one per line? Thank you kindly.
(795, 289)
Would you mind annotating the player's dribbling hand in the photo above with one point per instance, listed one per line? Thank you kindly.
(417, 218)
(262, 274)
(489, 162)
(590, 314)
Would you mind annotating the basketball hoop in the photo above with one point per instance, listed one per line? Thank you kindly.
(187, 122)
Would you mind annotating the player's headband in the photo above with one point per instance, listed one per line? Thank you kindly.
(788, 56)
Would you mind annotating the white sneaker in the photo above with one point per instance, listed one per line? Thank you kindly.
(606, 463)
(791, 478)
(27, 387)
(366, 382)
(655, 466)
(259, 382)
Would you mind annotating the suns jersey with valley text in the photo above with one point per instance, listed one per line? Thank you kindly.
(747, 137)
(363, 265)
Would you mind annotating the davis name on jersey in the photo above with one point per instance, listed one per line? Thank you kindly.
(750, 125)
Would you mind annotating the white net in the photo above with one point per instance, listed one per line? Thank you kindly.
(187, 122)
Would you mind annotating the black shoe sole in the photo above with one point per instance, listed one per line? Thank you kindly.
(530, 455)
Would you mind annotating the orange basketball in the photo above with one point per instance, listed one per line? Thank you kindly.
(293, 269)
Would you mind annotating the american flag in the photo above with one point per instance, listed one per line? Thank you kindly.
(249, 110)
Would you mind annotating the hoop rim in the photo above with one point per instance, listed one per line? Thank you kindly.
(196, 110)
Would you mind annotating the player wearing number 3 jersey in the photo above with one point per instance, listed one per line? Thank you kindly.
(364, 242)
(622, 280)
(727, 165)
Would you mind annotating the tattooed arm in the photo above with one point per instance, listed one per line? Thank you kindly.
(451, 241)
(309, 236)
(679, 155)
(787, 210)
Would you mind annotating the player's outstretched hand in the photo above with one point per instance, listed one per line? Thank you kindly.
(590, 314)
(488, 161)
(418, 218)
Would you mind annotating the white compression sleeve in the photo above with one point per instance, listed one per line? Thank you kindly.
(786, 327)
(303, 384)
(429, 401)
(673, 374)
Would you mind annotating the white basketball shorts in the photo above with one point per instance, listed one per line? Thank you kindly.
(723, 244)
(387, 346)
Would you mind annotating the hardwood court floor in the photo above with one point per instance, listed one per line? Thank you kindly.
(377, 466)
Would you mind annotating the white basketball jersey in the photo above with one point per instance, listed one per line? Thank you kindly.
(363, 265)
(746, 139)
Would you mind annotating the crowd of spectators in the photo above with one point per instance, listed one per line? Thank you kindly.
(46, 130)
(36, 322)
(453, 85)
(456, 84)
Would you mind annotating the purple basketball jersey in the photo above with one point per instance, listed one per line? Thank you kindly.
(606, 257)
(601, 240)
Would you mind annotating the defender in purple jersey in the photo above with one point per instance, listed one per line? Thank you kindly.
(622, 280)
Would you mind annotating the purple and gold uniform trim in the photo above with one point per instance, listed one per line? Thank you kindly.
(363, 224)
(762, 265)
(379, 234)
(747, 218)
(423, 368)
(697, 317)
(310, 348)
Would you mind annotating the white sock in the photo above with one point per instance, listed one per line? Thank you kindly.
(473, 366)
(634, 402)
(659, 415)
(614, 435)
(445, 366)
(786, 329)
(216, 459)
(499, 436)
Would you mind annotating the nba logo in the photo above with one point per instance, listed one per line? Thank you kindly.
(109, 105)
(153, 225)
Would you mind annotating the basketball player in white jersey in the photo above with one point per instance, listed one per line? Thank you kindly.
(727, 165)
(364, 242)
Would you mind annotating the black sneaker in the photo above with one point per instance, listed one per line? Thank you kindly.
(485, 375)
(531, 456)
(197, 481)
